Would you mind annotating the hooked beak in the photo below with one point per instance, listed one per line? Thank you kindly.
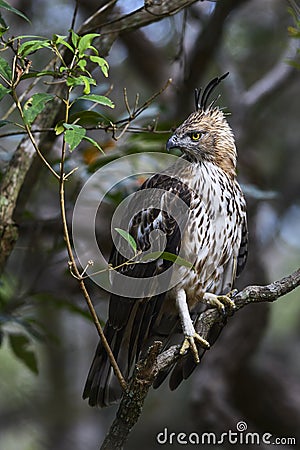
(172, 143)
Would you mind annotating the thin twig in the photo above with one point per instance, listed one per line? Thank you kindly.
(72, 263)
(126, 101)
(139, 110)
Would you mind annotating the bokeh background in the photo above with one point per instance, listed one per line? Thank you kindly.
(253, 371)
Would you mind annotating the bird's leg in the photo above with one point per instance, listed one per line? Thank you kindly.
(221, 302)
(190, 335)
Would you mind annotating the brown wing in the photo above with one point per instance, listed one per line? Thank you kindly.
(130, 320)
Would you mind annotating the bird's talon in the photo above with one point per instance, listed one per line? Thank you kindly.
(221, 302)
(189, 343)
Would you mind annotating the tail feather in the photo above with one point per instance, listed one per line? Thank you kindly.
(126, 342)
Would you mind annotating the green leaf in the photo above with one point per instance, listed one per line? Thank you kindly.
(85, 43)
(128, 238)
(59, 128)
(87, 117)
(19, 344)
(101, 99)
(75, 38)
(168, 257)
(3, 26)
(93, 142)
(102, 63)
(5, 5)
(82, 80)
(3, 91)
(43, 73)
(61, 40)
(87, 81)
(73, 135)
(29, 47)
(35, 106)
(82, 65)
(5, 69)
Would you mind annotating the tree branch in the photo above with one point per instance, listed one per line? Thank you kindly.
(149, 13)
(144, 375)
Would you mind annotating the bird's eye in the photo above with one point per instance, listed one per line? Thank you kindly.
(195, 136)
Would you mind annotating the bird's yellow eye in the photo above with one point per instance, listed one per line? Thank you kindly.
(196, 136)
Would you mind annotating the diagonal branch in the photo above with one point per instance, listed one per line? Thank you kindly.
(145, 372)
(152, 11)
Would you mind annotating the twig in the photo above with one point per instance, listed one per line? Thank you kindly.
(102, 126)
(132, 402)
(126, 101)
(136, 111)
(72, 263)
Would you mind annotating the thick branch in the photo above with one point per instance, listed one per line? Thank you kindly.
(151, 12)
(131, 405)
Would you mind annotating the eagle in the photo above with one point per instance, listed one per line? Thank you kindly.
(199, 217)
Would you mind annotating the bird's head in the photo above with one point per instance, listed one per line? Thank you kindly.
(206, 135)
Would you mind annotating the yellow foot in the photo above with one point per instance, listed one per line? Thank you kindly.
(190, 343)
(221, 302)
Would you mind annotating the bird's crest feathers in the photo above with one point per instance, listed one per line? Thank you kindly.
(201, 101)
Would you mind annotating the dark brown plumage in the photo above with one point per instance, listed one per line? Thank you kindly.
(210, 231)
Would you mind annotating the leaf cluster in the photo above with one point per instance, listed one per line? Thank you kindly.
(74, 74)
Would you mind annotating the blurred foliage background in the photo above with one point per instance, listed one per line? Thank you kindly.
(253, 371)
